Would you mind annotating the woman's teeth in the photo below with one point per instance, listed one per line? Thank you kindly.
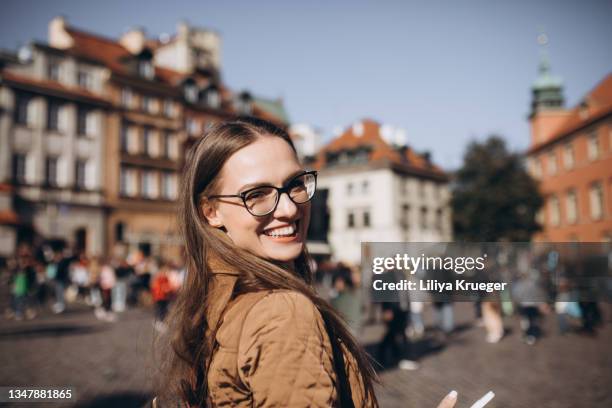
(281, 232)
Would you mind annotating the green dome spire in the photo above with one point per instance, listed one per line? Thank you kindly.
(547, 89)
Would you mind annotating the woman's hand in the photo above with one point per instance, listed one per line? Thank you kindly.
(449, 401)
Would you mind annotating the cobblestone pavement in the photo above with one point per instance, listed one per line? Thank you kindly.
(110, 364)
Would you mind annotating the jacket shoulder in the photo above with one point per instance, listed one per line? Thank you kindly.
(252, 312)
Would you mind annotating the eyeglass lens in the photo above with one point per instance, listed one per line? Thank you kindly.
(262, 200)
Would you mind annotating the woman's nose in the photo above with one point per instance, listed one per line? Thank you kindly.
(286, 207)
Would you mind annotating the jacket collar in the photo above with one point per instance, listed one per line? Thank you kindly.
(223, 280)
(217, 266)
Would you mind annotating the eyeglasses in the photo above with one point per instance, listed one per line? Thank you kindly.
(263, 200)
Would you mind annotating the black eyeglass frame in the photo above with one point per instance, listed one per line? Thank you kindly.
(279, 191)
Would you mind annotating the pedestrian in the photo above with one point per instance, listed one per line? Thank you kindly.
(161, 292)
(79, 276)
(20, 286)
(107, 282)
(395, 339)
(346, 299)
(528, 294)
(124, 272)
(62, 278)
(492, 320)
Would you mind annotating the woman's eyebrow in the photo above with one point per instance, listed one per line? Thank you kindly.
(264, 184)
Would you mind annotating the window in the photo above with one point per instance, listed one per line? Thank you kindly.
(149, 184)
(168, 107)
(555, 212)
(191, 92)
(119, 231)
(169, 186)
(366, 218)
(365, 186)
(133, 146)
(80, 174)
(596, 200)
(423, 218)
(173, 147)
(593, 146)
(19, 167)
(192, 126)
(128, 182)
(53, 70)
(539, 217)
(167, 144)
(147, 104)
(536, 168)
(53, 115)
(349, 189)
(403, 187)
(146, 141)
(82, 119)
(571, 206)
(22, 105)
(568, 156)
(552, 163)
(212, 98)
(145, 69)
(84, 79)
(350, 222)
(439, 218)
(51, 171)
(123, 181)
(422, 189)
(123, 141)
(405, 217)
(126, 97)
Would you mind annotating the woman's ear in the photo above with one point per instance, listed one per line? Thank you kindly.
(211, 213)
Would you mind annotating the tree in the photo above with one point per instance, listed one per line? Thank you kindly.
(494, 197)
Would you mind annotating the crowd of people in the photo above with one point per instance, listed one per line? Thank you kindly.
(404, 318)
(50, 278)
(47, 278)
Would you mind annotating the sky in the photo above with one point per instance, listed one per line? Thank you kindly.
(447, 72)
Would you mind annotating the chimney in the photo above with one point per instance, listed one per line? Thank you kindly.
(133, 40)
(58, 37)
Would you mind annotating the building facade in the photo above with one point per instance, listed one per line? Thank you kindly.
(52, 128)
(571, 155)
(94, 133)
(380, 190)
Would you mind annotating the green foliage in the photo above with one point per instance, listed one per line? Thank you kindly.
(494, 197)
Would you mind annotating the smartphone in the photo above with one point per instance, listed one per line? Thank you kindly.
(484, 400)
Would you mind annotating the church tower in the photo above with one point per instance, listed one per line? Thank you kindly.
(547, 102)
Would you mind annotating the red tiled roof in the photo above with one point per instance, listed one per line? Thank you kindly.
(111, 53)
(380, 149)
(598, 103)
(98, 48)
(169, 76)
(51, 86)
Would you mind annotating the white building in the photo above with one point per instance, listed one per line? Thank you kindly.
(52, 126)
(306, 139)
(380, 190)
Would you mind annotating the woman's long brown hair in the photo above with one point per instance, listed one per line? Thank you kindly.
(189, 351)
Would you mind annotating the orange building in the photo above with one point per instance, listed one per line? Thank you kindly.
(571, 155)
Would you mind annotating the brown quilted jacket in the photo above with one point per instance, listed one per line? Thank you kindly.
(272, 350)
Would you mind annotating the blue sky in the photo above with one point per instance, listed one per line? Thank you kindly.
(446, 71)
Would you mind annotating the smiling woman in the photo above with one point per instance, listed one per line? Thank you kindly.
(248, 328)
